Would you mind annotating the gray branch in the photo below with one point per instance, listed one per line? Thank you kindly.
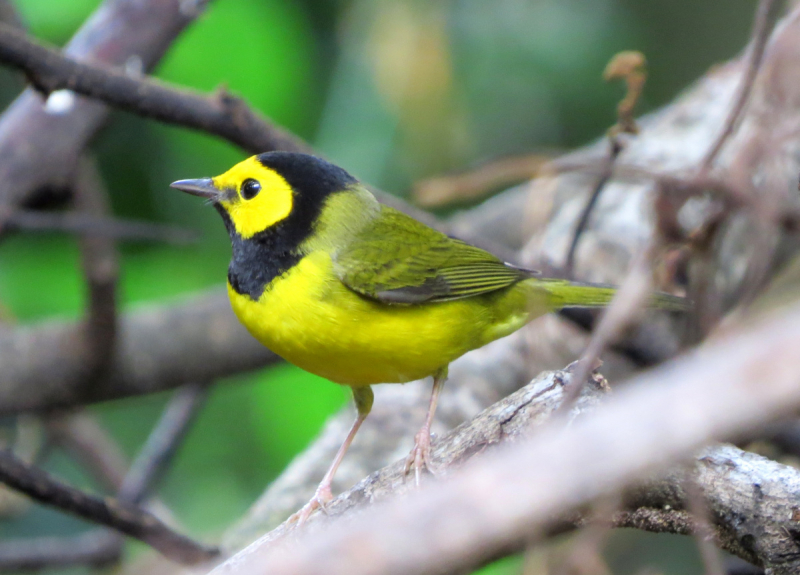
(159, 347)
(733, 385)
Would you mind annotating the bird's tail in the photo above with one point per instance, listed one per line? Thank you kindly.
(566, 294)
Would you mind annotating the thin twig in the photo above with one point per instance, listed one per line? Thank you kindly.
(630, 299)
(81, 435)
(615, 147)
(630, 67)
(115, 514)
(759, 37)
(88, 225)
(167, 435)
(100, 454)
(475, 183)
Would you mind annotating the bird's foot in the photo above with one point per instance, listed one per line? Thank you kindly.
(322, 496)
(420, 456)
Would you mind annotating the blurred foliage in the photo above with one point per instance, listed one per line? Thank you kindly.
(392, 90)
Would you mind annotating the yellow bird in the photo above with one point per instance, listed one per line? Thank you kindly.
(359, 293)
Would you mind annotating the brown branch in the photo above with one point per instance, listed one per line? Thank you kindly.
(475, 183)
(159, 347)
(733, 385)
(759, 37)
(132, 33)
(91, 444)
(116, 514)
(614, 149)
(221, 114)
(100, 269)
(629, 66)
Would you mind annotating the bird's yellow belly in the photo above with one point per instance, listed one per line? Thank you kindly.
(309, 318)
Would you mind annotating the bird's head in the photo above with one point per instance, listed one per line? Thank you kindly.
(271, 191)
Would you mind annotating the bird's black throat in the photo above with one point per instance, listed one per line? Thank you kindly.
(258, 260)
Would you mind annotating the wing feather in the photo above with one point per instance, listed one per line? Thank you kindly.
(401, 261)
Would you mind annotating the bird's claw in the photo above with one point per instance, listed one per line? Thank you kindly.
(322, 496)
(420, 456)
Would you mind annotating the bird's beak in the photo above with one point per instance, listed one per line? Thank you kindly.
(202, 187)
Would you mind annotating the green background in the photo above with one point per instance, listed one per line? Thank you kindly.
(520, 76)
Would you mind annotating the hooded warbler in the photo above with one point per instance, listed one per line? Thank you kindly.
(360, 293)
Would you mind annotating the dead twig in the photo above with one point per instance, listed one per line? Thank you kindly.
(474, 184)
(758, 41)
(221, 114)
(629, 66)
(162, 443)
(100, 269)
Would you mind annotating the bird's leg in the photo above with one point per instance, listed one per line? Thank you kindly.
(363, 397)
(420, 456)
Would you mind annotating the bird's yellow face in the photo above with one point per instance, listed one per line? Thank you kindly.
(272, 206)
(254, 196)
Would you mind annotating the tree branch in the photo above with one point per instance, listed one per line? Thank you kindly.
(159, 347)
(736, 383)
(116, 514)
(130, 33)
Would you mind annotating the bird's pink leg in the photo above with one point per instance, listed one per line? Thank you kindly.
(363, 397)
(420, 456)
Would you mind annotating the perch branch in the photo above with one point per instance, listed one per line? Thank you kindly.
(733, 385)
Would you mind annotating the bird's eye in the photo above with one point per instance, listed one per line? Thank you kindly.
(250, 188)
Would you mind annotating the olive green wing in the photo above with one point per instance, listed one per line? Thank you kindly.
(399, 260)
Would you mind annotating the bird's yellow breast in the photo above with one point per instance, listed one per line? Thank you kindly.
(308, 317)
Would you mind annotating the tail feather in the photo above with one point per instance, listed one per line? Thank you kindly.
(565, 294)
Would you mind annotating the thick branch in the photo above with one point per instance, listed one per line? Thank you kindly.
(158, 347)
(735, 384)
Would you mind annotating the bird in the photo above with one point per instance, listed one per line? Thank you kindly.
(357, 292)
